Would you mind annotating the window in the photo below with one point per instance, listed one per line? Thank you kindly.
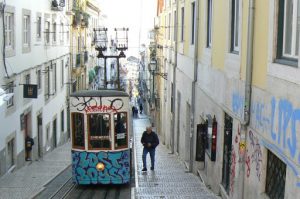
(121, 135)
(54, 77)
(169, 30)
(39, 79)
(77, 130)
(175, 26)
(62, 121)
(275, 179)
(39, 27)
(166, 28)
(47, 82)
(47, 32)
(27, 79)
(10, 89)
(61, 33)
(68, 35)
(288, 31)
(26, 30)
(9, 30)
(193, 23)
(172, 98)
(99, 131)
(54, 32)
(182, 23)
(235, 40)
(209, 23)
(62, 74)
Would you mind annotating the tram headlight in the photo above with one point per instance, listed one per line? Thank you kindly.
(100, 166)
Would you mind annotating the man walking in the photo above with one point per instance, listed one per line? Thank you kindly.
(150, 141)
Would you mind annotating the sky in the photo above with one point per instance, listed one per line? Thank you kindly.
(137, 15)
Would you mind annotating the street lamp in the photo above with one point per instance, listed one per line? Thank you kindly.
(152, 68)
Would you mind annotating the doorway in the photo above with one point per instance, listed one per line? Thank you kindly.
(227, 152)
(178, 121)
(27, 132)
(40, 135)
(187, 133)
(54, 134)
(10, 154)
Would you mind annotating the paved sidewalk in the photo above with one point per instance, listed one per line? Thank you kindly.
(169, 179)
(28, 181)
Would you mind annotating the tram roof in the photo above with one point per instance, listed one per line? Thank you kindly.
(99, 93)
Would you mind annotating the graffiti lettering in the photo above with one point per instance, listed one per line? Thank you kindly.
(279, 119)
(232, 169)
(256, 155)
(117, 167)
(86, 102)
(287, 117)
(238, 104)
(102, 108)
(248, 166)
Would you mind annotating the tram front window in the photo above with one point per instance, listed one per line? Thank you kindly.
(120, 121)
(77, 130)
(99, 131)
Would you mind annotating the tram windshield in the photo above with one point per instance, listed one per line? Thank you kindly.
(78, 130)
(99, 131)
(120, 122)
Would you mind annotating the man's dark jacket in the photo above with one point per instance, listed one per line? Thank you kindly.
(150, 138)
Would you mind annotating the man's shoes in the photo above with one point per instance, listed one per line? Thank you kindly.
(144, 169)
(152, 168)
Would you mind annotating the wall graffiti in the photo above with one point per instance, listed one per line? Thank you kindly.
(238, 104)
(248, 165)
(279, 120)
(232, 169)
(288, 117)
(256, 155)
(117, 167)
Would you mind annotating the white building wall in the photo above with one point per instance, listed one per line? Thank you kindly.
(28, 63)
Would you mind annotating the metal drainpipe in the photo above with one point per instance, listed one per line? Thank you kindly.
(248, 85)
(193, 106)
(174, 80)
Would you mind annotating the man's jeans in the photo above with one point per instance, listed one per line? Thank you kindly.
(152, 156)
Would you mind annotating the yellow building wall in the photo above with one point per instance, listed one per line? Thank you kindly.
(219, 33)
(260, 45)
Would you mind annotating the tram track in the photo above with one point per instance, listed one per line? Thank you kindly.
(64, 190)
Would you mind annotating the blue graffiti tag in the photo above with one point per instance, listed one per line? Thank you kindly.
(117, 167)
(287, 117)
(237, 104)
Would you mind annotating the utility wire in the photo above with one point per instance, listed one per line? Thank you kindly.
(3, 29)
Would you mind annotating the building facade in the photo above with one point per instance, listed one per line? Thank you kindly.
(36, 56)
(231, 110)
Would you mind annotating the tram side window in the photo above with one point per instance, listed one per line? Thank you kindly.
(99, 131)
(121, 135)
(78, 130)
